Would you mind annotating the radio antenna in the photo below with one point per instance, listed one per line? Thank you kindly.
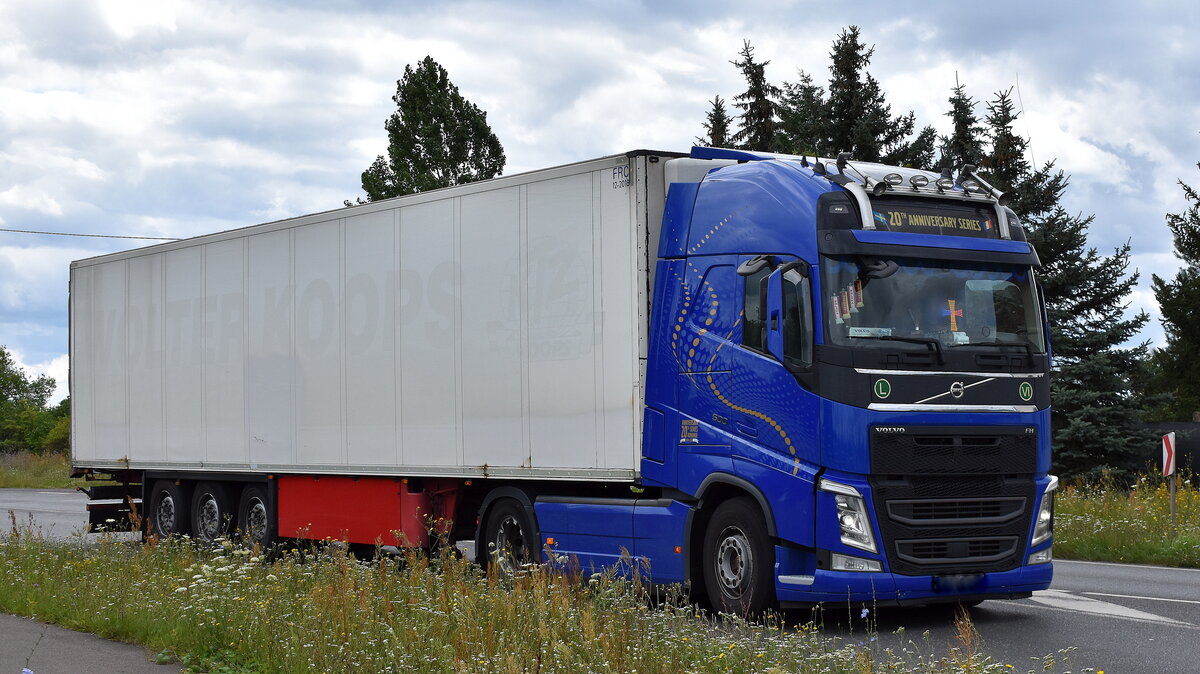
(1028, 133)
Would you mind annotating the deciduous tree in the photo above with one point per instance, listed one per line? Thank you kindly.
(436, 138)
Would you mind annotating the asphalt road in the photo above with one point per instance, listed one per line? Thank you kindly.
(1114, 617)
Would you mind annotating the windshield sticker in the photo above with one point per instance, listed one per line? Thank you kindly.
(858, 295)
(870, 332)
(851, 299)
(845, 305)
(837, 309)
(954, 315)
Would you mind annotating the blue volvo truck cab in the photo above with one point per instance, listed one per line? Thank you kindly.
(847, 392)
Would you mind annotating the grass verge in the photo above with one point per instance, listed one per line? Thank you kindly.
(23, 470)
(227, 610)
(1109, 523)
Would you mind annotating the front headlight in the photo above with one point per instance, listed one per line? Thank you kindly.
(1044, 527)
(853, 521)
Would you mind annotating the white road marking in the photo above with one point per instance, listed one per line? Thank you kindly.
(1123, 565)
(1134, 596)
(1070, 602)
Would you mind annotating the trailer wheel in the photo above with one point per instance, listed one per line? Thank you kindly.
(211, 514)
(739, 559)
(507, 536)
(168, 510)
(255, 522)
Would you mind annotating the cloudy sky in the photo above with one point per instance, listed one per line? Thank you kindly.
(173, 119)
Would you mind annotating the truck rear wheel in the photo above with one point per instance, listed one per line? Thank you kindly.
(507, 537)
(168, 510)
(211, 514)
(739, 559)
(256, 525)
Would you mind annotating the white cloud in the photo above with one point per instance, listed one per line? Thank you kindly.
(58, 368)
(163, 118)
(30, 198)
(127, 18)
(36, 277)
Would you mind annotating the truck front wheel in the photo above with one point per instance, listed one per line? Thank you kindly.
(211, 515)
(739, 559)
(507, 537)
(168, 510)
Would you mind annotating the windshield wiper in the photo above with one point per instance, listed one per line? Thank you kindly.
(932, 342)
(1024, 343)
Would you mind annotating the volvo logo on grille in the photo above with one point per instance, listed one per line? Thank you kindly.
(889, 429)
(956, 389)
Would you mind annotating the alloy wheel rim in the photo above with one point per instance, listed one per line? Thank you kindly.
(510, 544)
(166, 513)
(208, 519)
(256, 521)
(733, 562)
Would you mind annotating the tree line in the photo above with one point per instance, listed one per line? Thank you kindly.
(1104, 387)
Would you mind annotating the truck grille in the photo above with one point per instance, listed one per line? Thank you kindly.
(951, 499)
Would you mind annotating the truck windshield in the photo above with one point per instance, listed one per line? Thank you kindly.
(877, 303)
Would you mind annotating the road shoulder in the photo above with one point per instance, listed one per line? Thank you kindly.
(50, 649)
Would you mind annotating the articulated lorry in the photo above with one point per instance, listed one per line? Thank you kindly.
(777, 380)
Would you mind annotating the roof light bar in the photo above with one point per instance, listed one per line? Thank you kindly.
(918, 181)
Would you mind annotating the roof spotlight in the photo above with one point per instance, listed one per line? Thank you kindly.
(918, 181)
(971, 186)
(944, 183)
(893, 179)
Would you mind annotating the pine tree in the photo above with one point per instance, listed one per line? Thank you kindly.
(964, 145)
(917, 153)
(857, 115)
(716, 125)
(1178, 363)
(803, 128)
(758, 125)
(1031, 194)
(436, 138)
(1096, 407)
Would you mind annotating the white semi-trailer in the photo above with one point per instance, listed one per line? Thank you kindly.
(655, 352)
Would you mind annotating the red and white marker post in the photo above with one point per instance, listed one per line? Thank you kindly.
(1168, 467)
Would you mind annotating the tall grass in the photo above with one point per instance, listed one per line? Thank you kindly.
(1112, 522)
(322, 610)
(36, 471)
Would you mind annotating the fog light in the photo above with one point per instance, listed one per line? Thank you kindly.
(1041, 557)
(847, 563)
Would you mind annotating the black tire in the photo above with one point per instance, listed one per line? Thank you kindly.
(256, 518)
(739, 559)
(212, 514)
(508, 537)
(169, 510)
